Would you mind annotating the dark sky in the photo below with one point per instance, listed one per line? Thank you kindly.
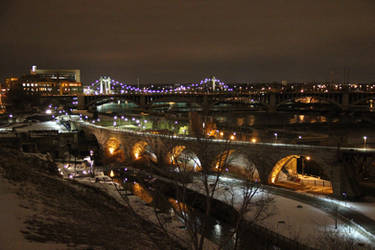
(187, 40)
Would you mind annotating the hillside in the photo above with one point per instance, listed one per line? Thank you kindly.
(42, 211)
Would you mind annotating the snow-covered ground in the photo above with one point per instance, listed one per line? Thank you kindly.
(292, 219)
(367, 208)
(48, 125)
(33, 126)
(12, 215)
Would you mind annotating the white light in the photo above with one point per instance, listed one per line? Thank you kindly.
(218, 229)
(48, 111)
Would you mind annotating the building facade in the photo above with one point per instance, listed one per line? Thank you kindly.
(48, 82)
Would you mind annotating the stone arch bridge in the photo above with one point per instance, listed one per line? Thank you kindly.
(338, 165)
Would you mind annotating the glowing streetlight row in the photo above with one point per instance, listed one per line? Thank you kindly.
(218, 132)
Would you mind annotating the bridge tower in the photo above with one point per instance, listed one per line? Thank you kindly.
(105, 85)
(213, 79)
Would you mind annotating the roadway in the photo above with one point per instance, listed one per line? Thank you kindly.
(361, 222)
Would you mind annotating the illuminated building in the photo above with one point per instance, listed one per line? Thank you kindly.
(68, 75)
(9, 82)
(48, 82)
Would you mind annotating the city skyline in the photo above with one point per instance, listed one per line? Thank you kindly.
(187, 41)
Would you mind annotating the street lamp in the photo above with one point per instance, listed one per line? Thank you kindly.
(275, 134)
(92, 162)
(364, 141)
(299, 139)
(303, 159)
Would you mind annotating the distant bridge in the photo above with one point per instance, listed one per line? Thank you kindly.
(270, 101)
(212, 92)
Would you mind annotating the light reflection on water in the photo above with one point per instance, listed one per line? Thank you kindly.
(216, 231)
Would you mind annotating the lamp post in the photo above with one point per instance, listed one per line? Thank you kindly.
(275, 134)
(364, 141)
(92, 162)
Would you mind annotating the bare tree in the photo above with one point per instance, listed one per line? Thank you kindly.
(189, 172)
(340, 239)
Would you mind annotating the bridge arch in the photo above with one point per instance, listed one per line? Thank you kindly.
(106, 99)
(183, 159)
(114, 149)
(365, 99)
(300, 172)
(142, 150)
(321, 100)
(243, 101)
(174, 99)
(238, 163)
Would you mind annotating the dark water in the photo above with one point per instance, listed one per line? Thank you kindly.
(218, 226)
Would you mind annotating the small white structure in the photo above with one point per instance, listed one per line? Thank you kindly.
(105, 85)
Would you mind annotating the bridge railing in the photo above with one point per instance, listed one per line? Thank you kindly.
(319, 183)
(270, 142)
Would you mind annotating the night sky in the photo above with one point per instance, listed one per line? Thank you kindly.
(187, 40)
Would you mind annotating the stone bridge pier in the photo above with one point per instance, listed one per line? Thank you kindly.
(266, 157)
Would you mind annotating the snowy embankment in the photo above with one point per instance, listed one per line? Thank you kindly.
(40, 210)
(171, 223)
(292, 219)
(13, 213)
